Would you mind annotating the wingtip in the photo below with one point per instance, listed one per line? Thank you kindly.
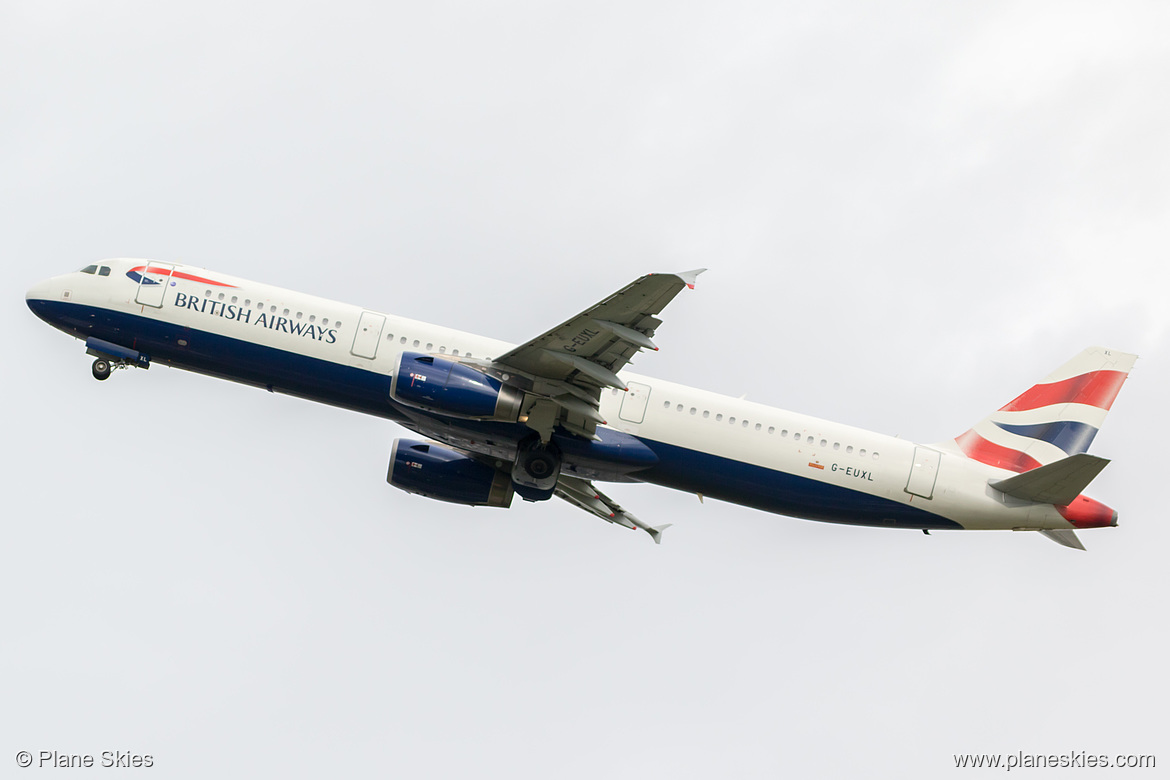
(656, 532)
(689, 277)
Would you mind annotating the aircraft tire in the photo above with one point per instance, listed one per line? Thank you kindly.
(101, 369)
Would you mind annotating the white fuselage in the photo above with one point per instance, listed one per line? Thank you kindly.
(200, 309)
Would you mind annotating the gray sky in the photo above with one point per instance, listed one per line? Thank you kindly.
(911, 212)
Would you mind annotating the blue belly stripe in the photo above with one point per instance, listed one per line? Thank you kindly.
(778, 491)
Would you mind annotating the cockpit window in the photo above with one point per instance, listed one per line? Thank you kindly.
(104, 271)
(89, 269)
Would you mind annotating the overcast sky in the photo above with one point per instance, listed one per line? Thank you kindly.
(911, 212)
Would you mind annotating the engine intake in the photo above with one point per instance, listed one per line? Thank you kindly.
(436, 384)
(443, 474)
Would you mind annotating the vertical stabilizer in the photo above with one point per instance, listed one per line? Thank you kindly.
(1054, 419)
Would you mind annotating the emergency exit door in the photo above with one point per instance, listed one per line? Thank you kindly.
(634, 403)
(369, 332)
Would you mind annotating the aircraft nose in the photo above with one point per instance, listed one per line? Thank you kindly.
(38, 292)
(41, 297)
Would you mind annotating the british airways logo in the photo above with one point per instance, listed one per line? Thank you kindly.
(230, 311)
(142, 275)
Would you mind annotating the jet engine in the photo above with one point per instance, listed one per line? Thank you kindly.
(436, 384)
(436, 472)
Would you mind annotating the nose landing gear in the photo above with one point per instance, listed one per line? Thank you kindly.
(110, 357)
(103, 367)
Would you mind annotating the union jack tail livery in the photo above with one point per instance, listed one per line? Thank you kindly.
(1053, 420)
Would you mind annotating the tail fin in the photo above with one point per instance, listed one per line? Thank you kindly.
(1055, 419)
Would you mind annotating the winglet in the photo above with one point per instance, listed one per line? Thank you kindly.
(656, 532)
(1063, 536)
(689, 277)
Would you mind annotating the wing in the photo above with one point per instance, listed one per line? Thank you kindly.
(567, 367)
(581, 493)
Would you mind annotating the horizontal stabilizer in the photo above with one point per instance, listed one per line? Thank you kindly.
(1064, 536)
(1057, 483)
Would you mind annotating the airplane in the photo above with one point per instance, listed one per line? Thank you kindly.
(557, 414)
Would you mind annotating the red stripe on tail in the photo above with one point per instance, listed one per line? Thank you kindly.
(1096, 388)
(978, 448)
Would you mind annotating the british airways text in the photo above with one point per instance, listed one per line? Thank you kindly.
(230, 311)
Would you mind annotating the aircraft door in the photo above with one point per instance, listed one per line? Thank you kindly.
(923, 473)
(634, 403)
(153, 283)
(369, 332)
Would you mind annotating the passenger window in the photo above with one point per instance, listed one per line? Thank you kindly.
(693, 410)
(719, 418)
(416, 342)
(104, 271)
(836, 445)
(796, 437)
(680, 408)
(706, 414)
(731, 421)
(402, 340)
(771, 429)
(875, 456)
(745, 423)
(784, 433)
(861, 453)
(849, 449)
(758, 426)
(824, 443)
(235, 298)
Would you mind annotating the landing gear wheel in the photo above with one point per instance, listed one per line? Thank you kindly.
(535, 470)
(541, 464)
(101, 369)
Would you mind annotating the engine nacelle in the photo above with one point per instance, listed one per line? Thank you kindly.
(436, 472)
(436, 384)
